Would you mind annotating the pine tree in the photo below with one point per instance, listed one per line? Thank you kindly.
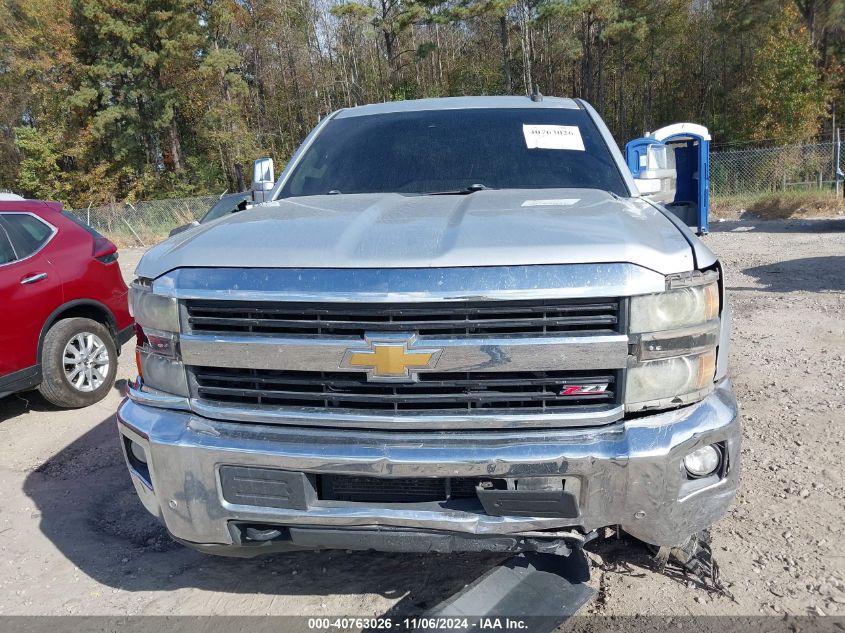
(138, 58)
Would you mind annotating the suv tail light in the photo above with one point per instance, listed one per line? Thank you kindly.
(104, 250)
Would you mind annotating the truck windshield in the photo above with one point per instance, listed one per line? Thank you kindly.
(456, 151)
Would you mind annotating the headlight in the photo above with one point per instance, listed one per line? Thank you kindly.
(669, 381)
(151, 310)
(157, 350)
(674, 335)
(677, 308)
(162, 373)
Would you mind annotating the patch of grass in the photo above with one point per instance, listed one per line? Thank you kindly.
(149, 235)
(778, 205)
(150, 231)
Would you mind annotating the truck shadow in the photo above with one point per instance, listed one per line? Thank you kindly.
(751, 224)
(810, 274)
(89, 511)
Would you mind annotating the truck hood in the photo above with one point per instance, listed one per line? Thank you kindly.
(485, 228)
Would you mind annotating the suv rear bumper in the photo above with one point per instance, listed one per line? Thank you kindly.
(629, 473)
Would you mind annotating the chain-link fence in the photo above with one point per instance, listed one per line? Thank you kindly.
(784, 168)
(144, 223)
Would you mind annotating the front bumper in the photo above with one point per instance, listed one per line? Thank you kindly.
(630, 474)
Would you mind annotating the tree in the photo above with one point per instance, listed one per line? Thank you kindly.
(137, 62)
(786, 92)
(109, 99)
(36, 68)
(497, 10)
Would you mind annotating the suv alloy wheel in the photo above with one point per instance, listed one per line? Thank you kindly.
(78, 363)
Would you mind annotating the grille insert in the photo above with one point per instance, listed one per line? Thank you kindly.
(435, 392)
(438, 319)
(399, 490)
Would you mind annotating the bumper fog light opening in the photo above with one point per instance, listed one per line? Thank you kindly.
(137, 460)
(703, 461)
(138, 452)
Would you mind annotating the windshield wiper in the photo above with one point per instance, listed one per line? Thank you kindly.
(460, 192)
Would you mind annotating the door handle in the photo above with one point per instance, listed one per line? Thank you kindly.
(33, 278)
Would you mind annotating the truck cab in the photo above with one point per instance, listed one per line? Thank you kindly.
(450, 325)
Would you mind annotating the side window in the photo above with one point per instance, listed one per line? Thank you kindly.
(26, 232)
(7, 253)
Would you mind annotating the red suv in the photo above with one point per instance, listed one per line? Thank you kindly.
(63, 305)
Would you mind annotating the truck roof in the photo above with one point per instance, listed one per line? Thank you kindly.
(457, 103)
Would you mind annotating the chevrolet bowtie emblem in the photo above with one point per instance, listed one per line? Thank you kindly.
(390, 357)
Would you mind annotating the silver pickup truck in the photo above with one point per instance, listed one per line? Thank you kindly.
(452, 325)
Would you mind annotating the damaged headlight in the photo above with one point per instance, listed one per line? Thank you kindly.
(675, 334)
(157, 346)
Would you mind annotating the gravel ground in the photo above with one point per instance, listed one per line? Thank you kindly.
(76, 541)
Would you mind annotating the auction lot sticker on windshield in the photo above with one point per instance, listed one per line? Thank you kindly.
(553, 137)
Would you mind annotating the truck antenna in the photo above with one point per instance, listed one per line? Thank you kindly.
(535, 94)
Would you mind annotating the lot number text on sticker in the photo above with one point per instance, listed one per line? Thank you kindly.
(553, 137)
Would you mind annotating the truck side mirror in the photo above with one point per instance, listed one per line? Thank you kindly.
(657, 177)
(647, 186)
(263, 179)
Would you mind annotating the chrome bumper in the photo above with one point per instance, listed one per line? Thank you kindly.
(630, 473)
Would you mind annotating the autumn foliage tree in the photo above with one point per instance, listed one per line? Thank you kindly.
(785, 94)
(119, 99)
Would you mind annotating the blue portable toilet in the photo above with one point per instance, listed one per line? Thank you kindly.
(672, 166)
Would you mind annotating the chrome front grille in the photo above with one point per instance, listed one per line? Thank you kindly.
(497, 363)
(441, 319)
(448, 393)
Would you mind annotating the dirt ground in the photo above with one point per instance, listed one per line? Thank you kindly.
(76, 541)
